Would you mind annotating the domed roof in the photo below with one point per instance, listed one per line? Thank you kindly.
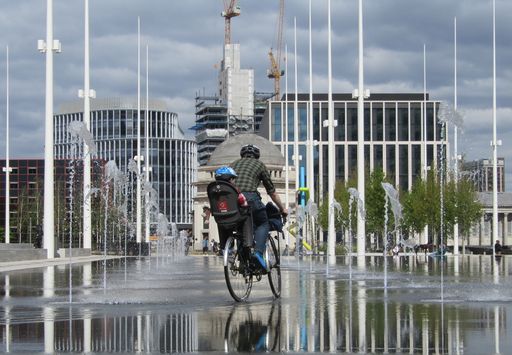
(229, 150)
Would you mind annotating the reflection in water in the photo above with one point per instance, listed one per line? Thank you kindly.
(337, 312)
(246, 332)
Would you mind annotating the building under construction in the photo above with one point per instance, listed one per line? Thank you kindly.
(235, 109)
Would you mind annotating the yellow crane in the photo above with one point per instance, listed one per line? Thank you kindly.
(275, 71)
(231, 9)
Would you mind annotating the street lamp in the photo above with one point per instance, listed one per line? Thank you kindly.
(7, 169)
(139, 158)
(495, 142)
(331, 236)
(48, 47)
(87, 94)
(362, 94)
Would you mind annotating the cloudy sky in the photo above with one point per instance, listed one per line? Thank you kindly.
(185, 41)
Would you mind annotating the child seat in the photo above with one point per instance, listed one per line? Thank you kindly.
(224, 206)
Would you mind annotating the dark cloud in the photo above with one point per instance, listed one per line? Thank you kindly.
(185, 42)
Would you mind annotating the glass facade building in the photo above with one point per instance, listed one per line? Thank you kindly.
(172, 156)
(394, 125)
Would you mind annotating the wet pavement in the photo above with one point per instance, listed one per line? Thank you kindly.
(409, 304)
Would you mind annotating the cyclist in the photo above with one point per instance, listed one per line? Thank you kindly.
(251, 172)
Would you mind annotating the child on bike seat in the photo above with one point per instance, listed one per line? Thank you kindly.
(225, 173)
(228, 174)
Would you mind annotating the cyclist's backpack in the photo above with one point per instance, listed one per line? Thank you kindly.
(223, 198)
(275, 220)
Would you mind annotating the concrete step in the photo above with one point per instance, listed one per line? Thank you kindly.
(16, 246)
(22, 254)
(64, 252)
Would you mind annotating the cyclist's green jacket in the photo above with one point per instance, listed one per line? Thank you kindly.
(251, 172)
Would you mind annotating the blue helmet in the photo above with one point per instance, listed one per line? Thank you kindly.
(225, 173)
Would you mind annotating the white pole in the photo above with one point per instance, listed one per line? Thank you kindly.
(425, 172)
(331, 236)
(455, 153)
(287, 167)
(87, 121)
(7, 168)
(48, 223)
(147, 145)
(494, 141)
(310, 168)
(425, 111)
(361, 235)
(139, 202)
(296, 115)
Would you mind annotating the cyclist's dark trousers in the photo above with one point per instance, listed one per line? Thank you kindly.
(259, 219)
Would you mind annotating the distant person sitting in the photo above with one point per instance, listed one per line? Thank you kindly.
(497, 248)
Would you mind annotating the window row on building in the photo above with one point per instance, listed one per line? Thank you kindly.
(399, 130)
(172, 157)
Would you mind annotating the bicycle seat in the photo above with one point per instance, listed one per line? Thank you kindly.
(224, 205)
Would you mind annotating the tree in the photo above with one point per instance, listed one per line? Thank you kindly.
(342, 196)
(375, 200)
(468, 210)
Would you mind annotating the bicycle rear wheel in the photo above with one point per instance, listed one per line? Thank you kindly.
(236, 271)
(274, 264)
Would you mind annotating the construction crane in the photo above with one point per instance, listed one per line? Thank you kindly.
(275, 71)
(231, 9)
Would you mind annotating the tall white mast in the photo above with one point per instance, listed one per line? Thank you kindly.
(7, 168)
(147, 168)
(331, 236)
(87, 94)
(309, 154)
(48, 48)
(286, 166)
(361, 235)
(455, 133)
(296, 114)
(139, 158)
(425, 172)
(495, 142)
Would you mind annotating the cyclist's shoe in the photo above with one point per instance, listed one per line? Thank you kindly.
(261, 260)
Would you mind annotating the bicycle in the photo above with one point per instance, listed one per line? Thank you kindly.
(240, 269)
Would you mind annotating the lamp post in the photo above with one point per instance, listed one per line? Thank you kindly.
(139, 158)
(48, 47)
(296, 155)
(425, 168)
(87, 94)
(309, 154)
(286, 148)
(147, 167)
(7, 169)
(331, 236)
(455, 153)
(495, 142)
(361, 235)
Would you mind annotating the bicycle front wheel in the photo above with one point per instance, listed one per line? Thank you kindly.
(236, 271)
(274, 264)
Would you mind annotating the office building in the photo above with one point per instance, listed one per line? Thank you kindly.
(26, 196)
(393, 135)
(481, 171)
(172, 156)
